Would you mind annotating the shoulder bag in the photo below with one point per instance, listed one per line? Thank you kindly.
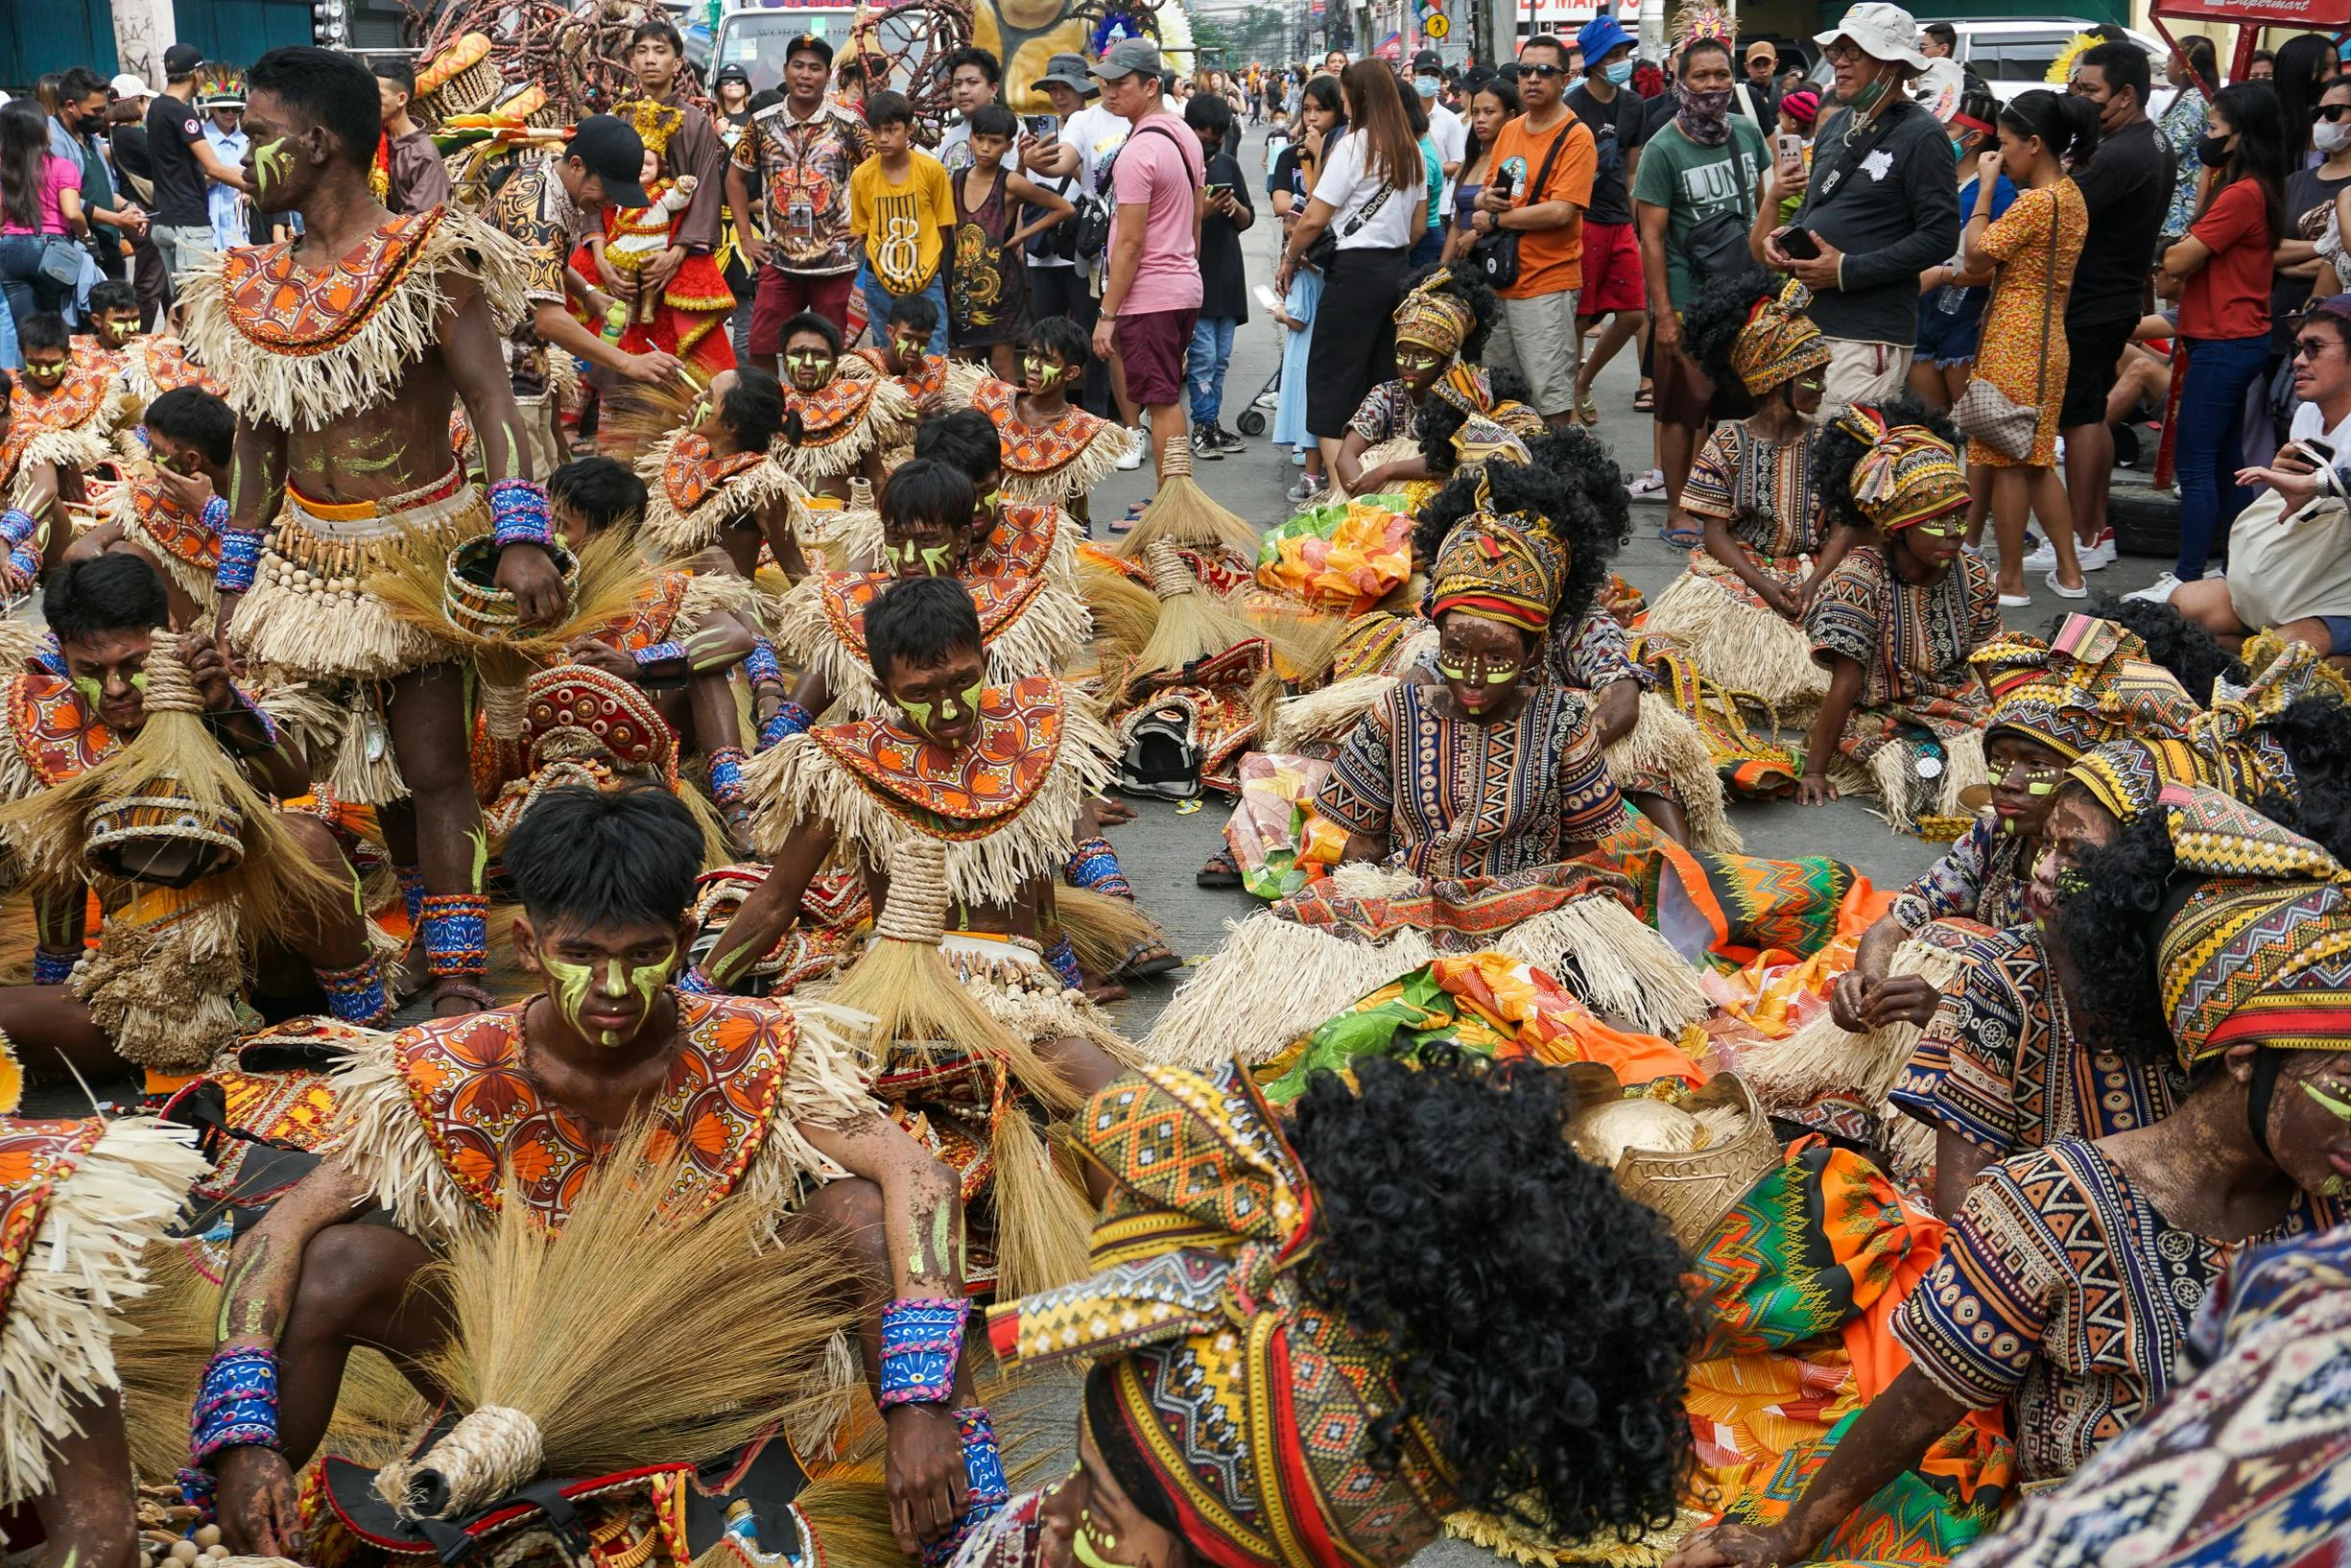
(1494, 258)
(1717, 246)
(1325, 246)
(1090, 228)
(1986, 413)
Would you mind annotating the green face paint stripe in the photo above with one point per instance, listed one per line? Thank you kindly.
(570, 995)
(91, 691)
(935, 558)
(917, 713)
(2340, 1109)
(2040, 789)
(271, 160)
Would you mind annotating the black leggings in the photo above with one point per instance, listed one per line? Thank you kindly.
(1354, 345)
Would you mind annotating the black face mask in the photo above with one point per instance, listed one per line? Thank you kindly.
(89, 125)
(2212, 151)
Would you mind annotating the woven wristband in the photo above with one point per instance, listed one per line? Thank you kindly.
(921, 1342)
(785, 722)
(759, 664)
(660, 652)
(16, 525)
(726, 775)
(984, 1487)
(519, 513)
(236, 1404)
(240, 559)
(216, 514)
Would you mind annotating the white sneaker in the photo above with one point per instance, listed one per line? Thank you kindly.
(2097, 557)
(2062, 591)
(1133, 458)
(2043, 559)
(2159, 591)
(1652, 483)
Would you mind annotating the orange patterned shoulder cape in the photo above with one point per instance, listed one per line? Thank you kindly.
(858, 410)
(299, 346)
(440, 1119)
(691, 496)
(187, 549)
(52, 737)
(72, 426)
(1056, 461)
(1004, 802)
(1028, 626)
(152, 365)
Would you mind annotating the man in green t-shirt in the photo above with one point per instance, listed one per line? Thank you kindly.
(1704, 161)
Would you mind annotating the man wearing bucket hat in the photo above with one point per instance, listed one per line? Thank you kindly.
(1879, 205)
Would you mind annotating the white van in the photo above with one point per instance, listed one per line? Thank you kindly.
(2014, 54)
(756, 37)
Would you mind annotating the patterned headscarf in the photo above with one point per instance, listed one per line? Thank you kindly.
(2093, 684)
(2129, 776)
(1907, 475)
(1779, 341)
(2234, 733)
(1253, 1405)
(2261, 952)
(1435, 320)
(1483, 437)
(1497, 568)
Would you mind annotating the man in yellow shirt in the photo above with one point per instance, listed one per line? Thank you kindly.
(901, 209)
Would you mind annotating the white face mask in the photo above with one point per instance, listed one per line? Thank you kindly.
(2329, 136)
(1428, 86)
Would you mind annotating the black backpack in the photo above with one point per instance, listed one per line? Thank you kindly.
(1090, 229)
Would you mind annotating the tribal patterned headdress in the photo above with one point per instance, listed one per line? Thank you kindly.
(1497, 568)
(2261, 952)
(2235, 734)
(1438, 322)
(2093, 684)
(1253, 1405)
(1779, 341)
(220, 86)
(2127, 777)
(575, 711)
(1907, 475)
(1708, 21)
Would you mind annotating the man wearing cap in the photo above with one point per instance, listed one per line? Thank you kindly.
(185, 166)
(801, 153)
(419, 181)
(1613, 287)
(1151, 287)
(1448, 132)
(1757, 96)
(1879, 204)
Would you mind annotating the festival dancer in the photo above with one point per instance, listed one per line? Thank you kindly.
(769, 1098)
(80, 1203)
(716, 481)
(903, 353)
(170, 510)
(61, 423)
(1738, 610)
(1359, 1417)
(1024, 538)
(2128, 1231)
(1895, 623)
(158, 994)
(112, 317)
(839, 415)
(1441, 321)
(343, 464)
(1053, 450)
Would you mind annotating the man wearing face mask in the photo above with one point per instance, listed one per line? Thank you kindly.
(1448, 132)
(1879, 205)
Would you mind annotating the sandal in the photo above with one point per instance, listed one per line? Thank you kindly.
(1151, 958)
(1683, 539)
(1135, 515)
(1221, 871)
(1645, 402)
(1587, 409)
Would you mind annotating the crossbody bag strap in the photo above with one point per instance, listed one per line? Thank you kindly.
(2049, 307)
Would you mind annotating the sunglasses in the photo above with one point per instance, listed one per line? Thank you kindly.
(1546, 72)
(2311, 348)
(2331, 113)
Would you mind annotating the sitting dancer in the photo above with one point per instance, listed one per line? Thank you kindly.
(434, 1119)
(61, 425)
(105, 613)
(82, 1201)
(1441, 321)
(1895, 623)
(902, 352)
(1769, 545)
(343, 464)
(715, 482)
(839, 415)
(2071, 1274)
(112, 317)
(997, 771)
(170, 510)
(1026, 538)
(2052, 704)
(1053, 450)
(1347, 1414)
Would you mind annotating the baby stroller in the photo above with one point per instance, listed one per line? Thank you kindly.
(1251, 421)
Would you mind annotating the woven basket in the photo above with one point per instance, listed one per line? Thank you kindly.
(167, 840)
(472, 599)
(1694, 1190)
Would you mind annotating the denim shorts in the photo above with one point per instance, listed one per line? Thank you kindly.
(1948, 338)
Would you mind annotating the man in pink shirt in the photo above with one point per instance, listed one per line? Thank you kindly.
(1151, 295)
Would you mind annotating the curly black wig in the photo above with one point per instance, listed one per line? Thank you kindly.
(2118, 914)
(2191, 653)
(1710, 327)
(2315, 731)
(1839, 449)
(1438, 421)
(1471, 291)
(1568, 519)
(1535, 1314)
(1583, 457)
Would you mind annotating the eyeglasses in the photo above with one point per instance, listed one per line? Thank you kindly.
(2331, 113)
(1546, 72)
(1844, 54)
(2311, 348)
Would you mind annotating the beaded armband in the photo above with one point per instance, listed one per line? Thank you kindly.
(236, 1404)
(519, 514)
(984, 1487)
(216, 514)
(24, 564)
(785, 722)
(660, 652)
(1063, 960)
(726, 775)
(696, 981)
(456, 932)
(1093, 867)
(53, 968)
(17, 525)
(921, 1342)
(759, 664)
(240, 559)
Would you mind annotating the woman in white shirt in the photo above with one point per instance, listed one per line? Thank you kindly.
(1372, 197)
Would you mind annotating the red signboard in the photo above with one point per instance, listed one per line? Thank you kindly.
(2317, 15)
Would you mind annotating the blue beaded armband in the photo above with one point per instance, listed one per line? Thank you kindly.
(240, 559)
(1063, 960)
(660, 652)
(921, 1342)
(53, 968)
(236, 1405)
(519, 514)
(726, 775)
(17, 525)
(759, 664)
(984, 1487)
(216, 514)
(25, 562)
(693, 981)
(785, 722)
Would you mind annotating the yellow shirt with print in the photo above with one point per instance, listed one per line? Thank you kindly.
(901, 223)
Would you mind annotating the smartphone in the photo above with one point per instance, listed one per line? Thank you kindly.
(1801, 245)
(1501, 183)
(1045, 128)
(1790, 153)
